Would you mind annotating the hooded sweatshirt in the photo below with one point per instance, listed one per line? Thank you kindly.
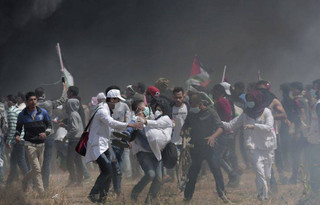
(74, 126)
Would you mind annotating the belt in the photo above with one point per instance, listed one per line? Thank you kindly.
(27, 143)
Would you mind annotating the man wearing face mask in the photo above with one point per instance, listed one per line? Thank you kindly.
(278, 112)
(147, 146)
(205, 126)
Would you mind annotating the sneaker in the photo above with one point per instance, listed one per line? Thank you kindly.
(120, 143)
(25, 184)
(122, 135)
(225, 199)
(234, 181)
(93, 198)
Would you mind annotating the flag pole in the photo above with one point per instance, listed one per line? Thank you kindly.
(224, 73)
(60, 56)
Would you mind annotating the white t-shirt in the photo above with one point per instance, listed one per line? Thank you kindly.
(179, 115)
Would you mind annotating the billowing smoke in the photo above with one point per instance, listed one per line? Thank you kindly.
(122, 42)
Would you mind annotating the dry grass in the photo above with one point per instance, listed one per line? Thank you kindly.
(204, 193)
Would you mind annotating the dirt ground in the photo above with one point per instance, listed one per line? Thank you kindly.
(204, 194)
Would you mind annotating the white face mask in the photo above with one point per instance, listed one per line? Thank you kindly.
(194, 109)
(157, 113)
(250, 104)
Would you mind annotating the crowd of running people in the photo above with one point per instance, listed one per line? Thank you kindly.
(140, 130)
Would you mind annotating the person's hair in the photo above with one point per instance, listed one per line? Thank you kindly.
(39, 92)
(297, 85)
(317, 81)
(239, 85)
(140, 88)
(219, 88)
(30, 94)
(12, 98)
(285, 87)
(135, 105)
(21, 95)
(194, 98)
(74, 90)
(262, 82)
(177, 89)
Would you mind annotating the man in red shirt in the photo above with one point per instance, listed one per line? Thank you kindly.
(226, 141)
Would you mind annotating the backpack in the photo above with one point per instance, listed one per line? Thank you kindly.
(169, 155)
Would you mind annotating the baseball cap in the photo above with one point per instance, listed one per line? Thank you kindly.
(114, 93)
(154, 91)
(226, 87)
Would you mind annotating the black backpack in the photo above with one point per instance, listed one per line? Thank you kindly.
(169, 156)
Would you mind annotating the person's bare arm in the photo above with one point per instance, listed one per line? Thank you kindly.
(279, 112)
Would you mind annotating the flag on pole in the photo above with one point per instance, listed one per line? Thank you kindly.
(65, 73)
(224, 79)
(198, 76)
(259, 75)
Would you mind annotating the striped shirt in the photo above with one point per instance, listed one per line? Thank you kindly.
(12, 118)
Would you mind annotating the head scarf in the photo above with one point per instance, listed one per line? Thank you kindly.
(259, 104)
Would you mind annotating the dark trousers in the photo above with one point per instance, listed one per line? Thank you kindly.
(116, 161)
(212, 157)
(47, 155)
(74, 163)
(18, 158)
(103, 181)
(152, 172)
(298, 147)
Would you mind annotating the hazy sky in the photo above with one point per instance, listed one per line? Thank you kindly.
(119, 42)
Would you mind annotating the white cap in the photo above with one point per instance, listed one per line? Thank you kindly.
(114, 93)
(226, 87)
(101, 96)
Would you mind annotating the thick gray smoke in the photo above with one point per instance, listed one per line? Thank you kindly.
(122, 42)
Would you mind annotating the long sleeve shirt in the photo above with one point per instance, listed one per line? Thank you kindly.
(12, 118)
(34, 123)
(262, 136)
(100, 132)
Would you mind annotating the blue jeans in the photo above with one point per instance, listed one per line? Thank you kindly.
(47, 155)
(103, 181)
(116, 161)
(212, 157)
(127, 163)
(18, 158)
(152, 172)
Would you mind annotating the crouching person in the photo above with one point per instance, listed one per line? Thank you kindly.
(147, 146)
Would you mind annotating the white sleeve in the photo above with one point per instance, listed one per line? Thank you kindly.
(268, 126)
(234, 124)
(162, 122)
(105, 117)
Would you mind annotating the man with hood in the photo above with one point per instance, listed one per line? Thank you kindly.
(75, 130)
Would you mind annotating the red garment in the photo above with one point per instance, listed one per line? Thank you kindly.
(223, 109)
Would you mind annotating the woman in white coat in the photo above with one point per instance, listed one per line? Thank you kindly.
(260, 138)
(98, 144)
